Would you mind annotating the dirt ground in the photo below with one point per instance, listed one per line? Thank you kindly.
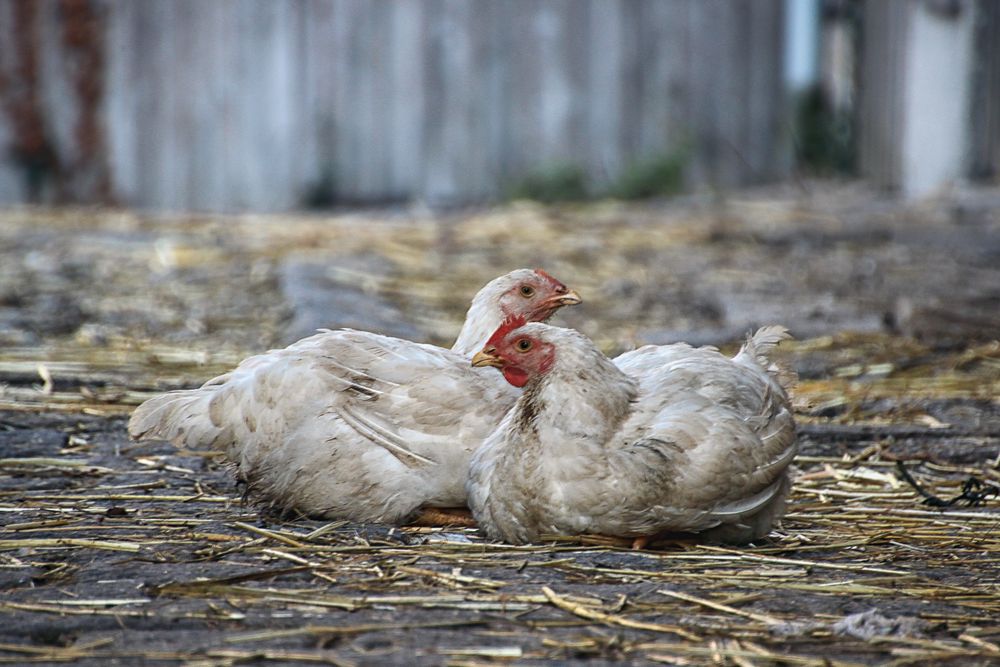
(113, 552)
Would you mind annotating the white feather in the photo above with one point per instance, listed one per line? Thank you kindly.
(349, 424)
(666, 438)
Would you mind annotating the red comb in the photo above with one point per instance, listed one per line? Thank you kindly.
(509, 324)
(548, 276)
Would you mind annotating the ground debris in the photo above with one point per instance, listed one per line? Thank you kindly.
(113, 552)
(869, 624)
(171, 560)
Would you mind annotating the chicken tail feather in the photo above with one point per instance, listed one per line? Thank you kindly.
(182, 417)
(756, 350)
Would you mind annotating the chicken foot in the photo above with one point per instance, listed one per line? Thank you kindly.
(444, 516)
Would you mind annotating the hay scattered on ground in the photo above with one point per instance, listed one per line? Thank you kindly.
(139, 553)
(136, 552)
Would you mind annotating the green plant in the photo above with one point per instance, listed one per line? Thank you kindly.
(825, 136)
(658, 176)
(554, 183)
(321, 193)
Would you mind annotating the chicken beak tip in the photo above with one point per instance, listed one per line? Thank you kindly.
(570, 298)
(483, 358)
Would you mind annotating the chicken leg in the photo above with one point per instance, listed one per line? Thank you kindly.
(444, 516)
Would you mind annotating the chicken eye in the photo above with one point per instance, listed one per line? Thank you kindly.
(523, 345)
(527, 291)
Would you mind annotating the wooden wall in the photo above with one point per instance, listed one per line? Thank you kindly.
(882, 103)
(255, 104)
(985, 123)
(929, 113)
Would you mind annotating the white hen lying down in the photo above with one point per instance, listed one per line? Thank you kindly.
(354, 425)
(667, 438)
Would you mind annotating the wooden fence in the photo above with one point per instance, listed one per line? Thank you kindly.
(929, 112)
(267, 104)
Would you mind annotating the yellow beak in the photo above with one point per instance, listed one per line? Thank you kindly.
(570, 298)
(487, 358)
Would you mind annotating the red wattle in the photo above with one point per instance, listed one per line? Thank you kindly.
(516, 376)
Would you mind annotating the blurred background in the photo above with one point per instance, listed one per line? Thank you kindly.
(293, 104)
(188, 181)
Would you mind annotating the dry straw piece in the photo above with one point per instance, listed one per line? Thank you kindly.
(111, 550)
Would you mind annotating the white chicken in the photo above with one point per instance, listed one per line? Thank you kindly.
(354, 425)
(662, 439)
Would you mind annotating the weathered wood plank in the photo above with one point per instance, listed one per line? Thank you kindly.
(233, 105)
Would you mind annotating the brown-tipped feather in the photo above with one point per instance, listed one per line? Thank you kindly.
(181, 417)
(758, 347)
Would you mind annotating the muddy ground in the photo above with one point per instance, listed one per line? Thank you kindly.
(114, 552)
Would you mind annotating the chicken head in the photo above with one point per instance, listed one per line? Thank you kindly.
(519, 355)
(532, 294)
